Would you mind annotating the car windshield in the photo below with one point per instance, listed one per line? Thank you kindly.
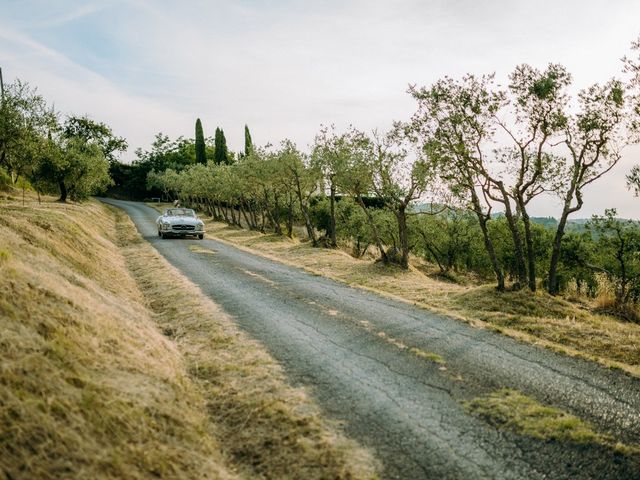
(180, 212)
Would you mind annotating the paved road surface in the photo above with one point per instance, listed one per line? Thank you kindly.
(406, 408)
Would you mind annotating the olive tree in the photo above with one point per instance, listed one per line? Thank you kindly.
(330, 153)
(593, 139)
(536, 103)
(619, 255)
(400, 175)
(25, 123)
(454, 122)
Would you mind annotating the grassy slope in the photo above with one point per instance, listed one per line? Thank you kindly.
(91, 388)
(541, 319)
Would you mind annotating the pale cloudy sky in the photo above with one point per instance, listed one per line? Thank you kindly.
(284, 67)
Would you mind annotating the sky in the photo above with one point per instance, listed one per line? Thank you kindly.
(285, 67)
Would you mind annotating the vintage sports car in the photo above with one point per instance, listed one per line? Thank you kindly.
(179, 222)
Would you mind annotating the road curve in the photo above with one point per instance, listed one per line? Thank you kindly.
(327, 337)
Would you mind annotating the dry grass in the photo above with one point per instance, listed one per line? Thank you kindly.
(92, 389)
(569, 327)
(513, 410)
(270, 429)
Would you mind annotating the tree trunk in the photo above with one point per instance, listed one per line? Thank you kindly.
(488, 244)
(521, 269)
(553, 287)
(253, 215)
(244, 214)
(512, 222)
(305, 214)
(333, 239)
(233, 215)
(403, 236)
(531, 256)
(290, 216)
(263, 222)
(276, 214)
(63, 191)
(434, 251)
(225, 214)
(374, 229)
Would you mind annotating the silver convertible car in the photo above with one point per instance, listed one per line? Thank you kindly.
(180, 222)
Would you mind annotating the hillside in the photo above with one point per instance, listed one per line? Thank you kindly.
(103, 377)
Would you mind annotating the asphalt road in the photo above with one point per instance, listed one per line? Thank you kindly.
(408, 409)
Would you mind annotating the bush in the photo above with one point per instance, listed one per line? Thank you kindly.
(5, 180)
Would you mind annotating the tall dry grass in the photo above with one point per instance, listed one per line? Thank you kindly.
(89, 387)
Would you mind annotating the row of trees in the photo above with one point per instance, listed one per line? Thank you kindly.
(473, 146)
(176, 155)
(71, 158)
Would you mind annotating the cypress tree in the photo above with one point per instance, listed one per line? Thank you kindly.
(201, 154)
(248, 144)
(221, 154)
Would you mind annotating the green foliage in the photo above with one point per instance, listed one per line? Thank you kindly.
(618, 255)
(633, 180)
(76, 166)
(248, 143)
(353, 226)
(320, 214)
(71, 159)
(452, 240)
(577, 258)
(220, 153)
(97, 133)
(25, 121)
(165, 153)
(5, 179)
(200, 147)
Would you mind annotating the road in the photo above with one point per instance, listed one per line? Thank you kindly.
(405, 408)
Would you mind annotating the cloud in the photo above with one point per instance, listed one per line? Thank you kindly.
(68, 16)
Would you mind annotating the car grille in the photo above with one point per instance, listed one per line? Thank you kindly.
(183, 228)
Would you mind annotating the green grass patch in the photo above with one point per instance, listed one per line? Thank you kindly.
(430, 356)
(5, 256)
(524, 415)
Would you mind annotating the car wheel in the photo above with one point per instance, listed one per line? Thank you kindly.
(161, 235)
(201, 236)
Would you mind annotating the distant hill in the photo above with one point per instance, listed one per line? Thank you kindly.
(548, 222)
(576, 224)
(573, 224)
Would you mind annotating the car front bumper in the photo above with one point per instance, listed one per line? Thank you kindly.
(180, 232)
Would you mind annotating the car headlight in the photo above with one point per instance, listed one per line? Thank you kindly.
(166, 225)
(199, 227)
